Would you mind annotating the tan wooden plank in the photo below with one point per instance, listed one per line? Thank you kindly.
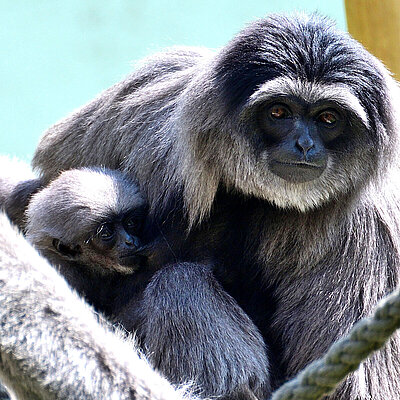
(376, 24)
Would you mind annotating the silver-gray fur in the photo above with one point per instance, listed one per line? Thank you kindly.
(48, 318)
(187, 124)
(192, 331)
(17, 184)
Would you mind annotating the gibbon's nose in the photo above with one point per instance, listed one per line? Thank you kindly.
(132, 241)
(304, 143)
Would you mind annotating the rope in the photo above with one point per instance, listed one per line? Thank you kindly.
(322, 376)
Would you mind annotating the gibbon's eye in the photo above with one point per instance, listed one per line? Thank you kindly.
(105, 231)
(329, 118)
(279, 111)
(133, 222)
(130, 223)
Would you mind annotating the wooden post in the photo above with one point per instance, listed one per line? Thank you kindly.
(376, 24)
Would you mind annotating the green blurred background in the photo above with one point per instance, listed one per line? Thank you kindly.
(57, 55)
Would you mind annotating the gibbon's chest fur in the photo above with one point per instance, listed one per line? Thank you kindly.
(281, 264)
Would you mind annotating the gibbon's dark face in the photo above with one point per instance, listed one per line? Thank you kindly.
(297, 135)
(113, 246)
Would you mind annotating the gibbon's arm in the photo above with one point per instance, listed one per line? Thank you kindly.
(52, 345)
(17, 184)
(13, 172)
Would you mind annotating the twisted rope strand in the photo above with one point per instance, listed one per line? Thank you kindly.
(322, 376)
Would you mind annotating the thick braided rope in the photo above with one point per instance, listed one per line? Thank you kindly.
(322, 376)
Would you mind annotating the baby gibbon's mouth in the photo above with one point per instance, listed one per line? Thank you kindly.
(133, 259)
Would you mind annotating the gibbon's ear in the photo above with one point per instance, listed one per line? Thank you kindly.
(65, 250)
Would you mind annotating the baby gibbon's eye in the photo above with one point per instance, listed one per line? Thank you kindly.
(130, 223)
(105, 231)
(133, 223)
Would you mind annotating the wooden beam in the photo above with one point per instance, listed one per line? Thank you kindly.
(376, 24)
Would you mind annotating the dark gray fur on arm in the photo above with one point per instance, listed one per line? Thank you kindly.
(195, 332)
(17, 185)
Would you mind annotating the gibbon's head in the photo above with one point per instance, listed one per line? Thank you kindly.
(90, 216)
(292, 111)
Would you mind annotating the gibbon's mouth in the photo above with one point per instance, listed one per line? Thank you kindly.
(297, 171)
(304, 164)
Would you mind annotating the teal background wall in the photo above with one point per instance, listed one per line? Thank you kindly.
(56, 55)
